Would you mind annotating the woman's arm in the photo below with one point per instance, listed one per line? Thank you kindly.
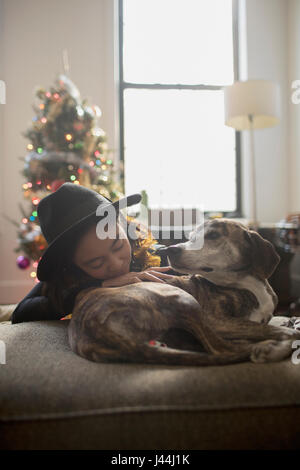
(34, 306)
(38, 307)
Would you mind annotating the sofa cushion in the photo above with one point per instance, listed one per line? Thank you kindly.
(52, 398)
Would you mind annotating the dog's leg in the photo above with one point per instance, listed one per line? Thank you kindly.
(117, 340)
(130, 352)
(118, 349)
(268, 343)
(165, 355)
(271, 351)
(196, 323)
(242, 329)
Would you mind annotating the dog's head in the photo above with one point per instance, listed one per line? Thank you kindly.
(223, 247)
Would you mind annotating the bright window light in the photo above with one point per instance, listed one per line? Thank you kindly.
(176, 145)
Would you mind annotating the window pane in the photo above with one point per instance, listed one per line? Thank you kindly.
(176, 41)
(178, 149)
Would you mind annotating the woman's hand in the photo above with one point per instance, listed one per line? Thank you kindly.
(154, 274)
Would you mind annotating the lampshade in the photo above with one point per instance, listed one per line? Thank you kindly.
(259, 98)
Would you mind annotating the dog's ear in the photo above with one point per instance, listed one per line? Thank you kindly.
(264, 257)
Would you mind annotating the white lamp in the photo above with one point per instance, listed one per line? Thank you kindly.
(252, 104)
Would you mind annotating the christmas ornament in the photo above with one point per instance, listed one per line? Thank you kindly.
(23, 262)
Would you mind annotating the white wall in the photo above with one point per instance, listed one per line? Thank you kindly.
(33, 34)
(294, 126)
(2, 114)
(294, 110)
(264, 45)
(273, 52)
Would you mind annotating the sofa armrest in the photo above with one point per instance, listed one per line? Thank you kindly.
(6, 311)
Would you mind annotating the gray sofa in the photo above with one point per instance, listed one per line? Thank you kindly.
(51, 398)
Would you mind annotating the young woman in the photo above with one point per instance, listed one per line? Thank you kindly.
(76, 258)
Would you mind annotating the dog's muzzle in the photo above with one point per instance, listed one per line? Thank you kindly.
(169, 250)
(172, 252)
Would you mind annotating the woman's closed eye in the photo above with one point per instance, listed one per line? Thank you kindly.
(119, 245)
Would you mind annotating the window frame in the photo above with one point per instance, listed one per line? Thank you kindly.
(160, 86)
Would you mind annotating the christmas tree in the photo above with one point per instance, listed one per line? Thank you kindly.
(66, 145)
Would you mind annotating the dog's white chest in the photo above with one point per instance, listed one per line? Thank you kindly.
(264, 312)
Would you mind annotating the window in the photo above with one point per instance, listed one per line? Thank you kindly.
(175, 57)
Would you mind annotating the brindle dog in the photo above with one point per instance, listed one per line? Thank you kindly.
(216, 313)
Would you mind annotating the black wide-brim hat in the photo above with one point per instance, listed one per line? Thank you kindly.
(65, 212)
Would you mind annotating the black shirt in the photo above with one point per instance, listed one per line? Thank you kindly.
(35, 306)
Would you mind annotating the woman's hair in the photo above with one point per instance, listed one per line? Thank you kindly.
(68, 276)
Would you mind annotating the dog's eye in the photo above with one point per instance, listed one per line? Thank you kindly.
(212, 235)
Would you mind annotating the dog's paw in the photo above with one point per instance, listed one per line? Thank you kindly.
(294, 322)
(284, 332)
(271, 351)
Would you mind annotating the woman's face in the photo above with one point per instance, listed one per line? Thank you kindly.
(103, 259)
